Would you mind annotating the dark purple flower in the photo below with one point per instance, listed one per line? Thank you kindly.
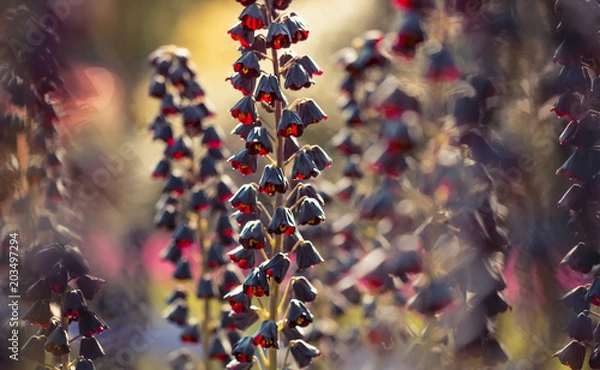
(268, 90)
(296, 78)
(244, 35)
(290, 124)
(90, 323)
(304, 290)
(258, 142)
(276, 267)
(256, 283)
(303, 352)
(243, 257)
(182, 270)
(272, 181)
(190, 333)
(57, 342)
(247, 65)
(310, 112)
(266, 335)
(278, 36)
(296, 27)
(177, 312)
(253, 17)
(243, 350)
(307, 256)
(311, 212)
(245, 110)
(90, 348)
(282, 222)
(252, 235)
(582, 258)
(573, 355)
(74, 302)
(244, 162)
(245, 85)
(238, 299)
(304, 168)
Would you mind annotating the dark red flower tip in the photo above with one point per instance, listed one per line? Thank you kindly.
(245, 110)
(243, 257)
(412, 4)
(199, 201)
(192, 116)
(253, 17)
(258, 142)
(240, 33)
(174, 184)
(278, 36)
(244, 162)
(256, 283)
(252, 235)
(245, 85)
(246, 2)
(272, 181)
(247, 65)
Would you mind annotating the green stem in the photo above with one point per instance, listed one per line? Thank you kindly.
(206, 302)
(274, 287)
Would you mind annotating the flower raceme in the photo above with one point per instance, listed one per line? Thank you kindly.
(272, 214)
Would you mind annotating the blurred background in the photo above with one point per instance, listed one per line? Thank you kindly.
(104, 52)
